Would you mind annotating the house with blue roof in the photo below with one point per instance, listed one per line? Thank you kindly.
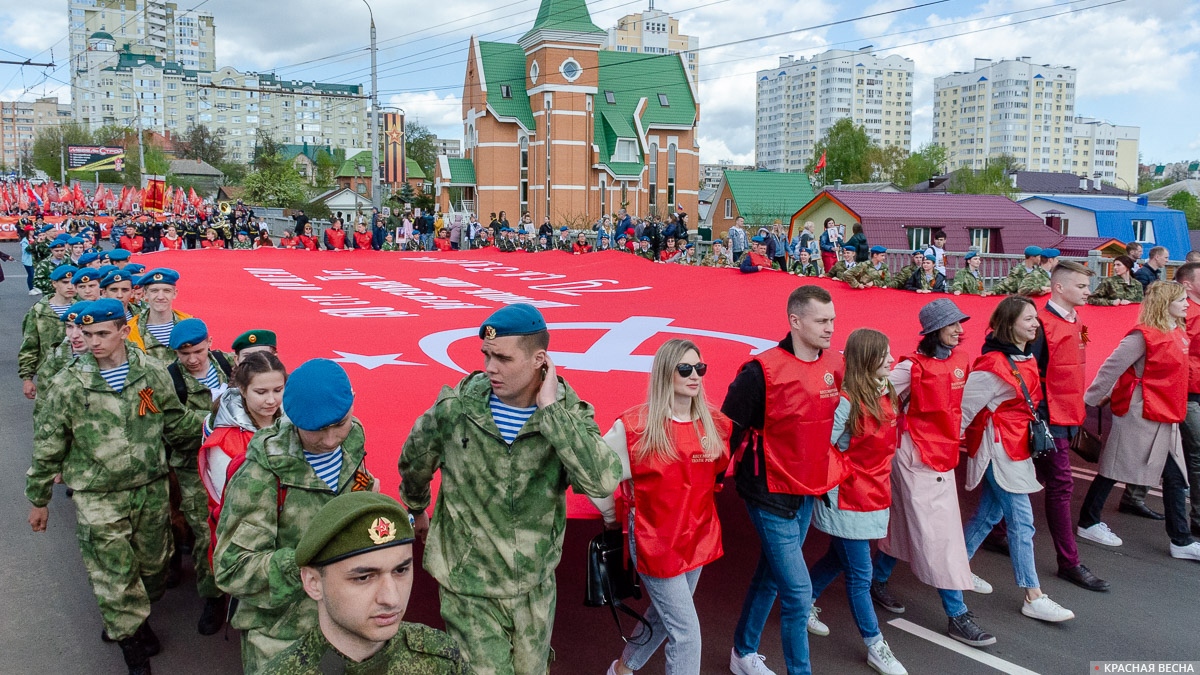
(1114, 218)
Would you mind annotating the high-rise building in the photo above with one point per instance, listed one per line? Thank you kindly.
(1015, 108)
(234, 105)
(800, 100)
(450, 147)
(654, 32)
(711, 174)
(1107, 149)
(20, 122)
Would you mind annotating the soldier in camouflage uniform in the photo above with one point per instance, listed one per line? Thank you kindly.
(118, 285)
(717, 257)
(42, 270)
(242, 243)
(64, 353)
(497, 531)
(839, 269)
(506, 243)
(900, 279)
(687, 256)
(159, 286)
(271, 500)
(1009, 284)
(87, 284)
(524, 243)
(870, 274)
(563, 243)
(968, 280)
(1037, 282)
(42, 328)
(106, 426)
(644, 250)
(1120, 288)
(389, 243)
(356, 562)
(805, 266)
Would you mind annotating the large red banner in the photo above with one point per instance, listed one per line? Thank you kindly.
(404, 325)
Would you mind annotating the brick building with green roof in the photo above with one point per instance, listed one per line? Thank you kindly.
(556, 126)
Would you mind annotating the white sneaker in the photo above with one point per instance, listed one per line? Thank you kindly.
(1189, 552)
(750, 664)
(612, 669)
(1045, 609)
(35, 292)
(815, 626)
(979, 585)
(881, 658)
(1100, 534)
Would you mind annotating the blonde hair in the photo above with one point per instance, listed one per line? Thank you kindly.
(866, 352)
(1156, 304)
(654, 439)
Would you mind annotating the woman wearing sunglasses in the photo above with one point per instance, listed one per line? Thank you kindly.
(856, 512)
(672, 448)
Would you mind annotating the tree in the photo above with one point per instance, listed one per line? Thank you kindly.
(327, 166)
(845, 147)
(928, 161)
(991, 180)
(200, 144)
(276, 186)
(1186, 201)
(887, 163)
(421, 146)
(268, 153)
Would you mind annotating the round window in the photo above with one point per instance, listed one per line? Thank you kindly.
(570, 69)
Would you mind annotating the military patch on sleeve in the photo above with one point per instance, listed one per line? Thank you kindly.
(362, 482)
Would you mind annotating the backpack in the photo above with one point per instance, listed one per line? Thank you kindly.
(214, 509)
(181, 385)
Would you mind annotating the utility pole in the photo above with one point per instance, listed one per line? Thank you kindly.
(141, 138)
(373, 115)
(62, 158)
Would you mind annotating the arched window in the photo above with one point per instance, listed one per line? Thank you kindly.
(524, 142)
(653, 175)
(671, 175)
(470, 139)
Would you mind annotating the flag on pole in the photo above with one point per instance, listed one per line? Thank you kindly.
(820, 164)
(33, 195)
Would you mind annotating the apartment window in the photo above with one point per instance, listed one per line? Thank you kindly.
(653, 175)
(981, 240)
(918, 237)
(728, 209)
(671, 151)
(1143, 230)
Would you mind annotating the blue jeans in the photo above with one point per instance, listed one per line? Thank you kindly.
(996, 504)
(672, 616)
(781, 572)
(952, 601)
(29, 276)
(852, 556)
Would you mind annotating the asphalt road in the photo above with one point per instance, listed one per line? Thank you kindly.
(49, 622)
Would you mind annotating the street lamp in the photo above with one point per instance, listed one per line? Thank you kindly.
(373, 138)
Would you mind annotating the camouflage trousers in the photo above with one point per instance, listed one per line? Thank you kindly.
(258, 648)
(194, 506)
(125, 540)
(503, 636)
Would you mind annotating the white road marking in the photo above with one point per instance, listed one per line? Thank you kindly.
(955, 646)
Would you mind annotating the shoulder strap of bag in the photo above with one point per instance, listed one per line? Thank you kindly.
(1021, 381)
(616, 605)
(177, 379)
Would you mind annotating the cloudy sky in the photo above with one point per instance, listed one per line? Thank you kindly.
(1137, 60)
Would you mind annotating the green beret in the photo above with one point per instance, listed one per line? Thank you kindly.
(254, 338)
(352, 524)
(517, 319)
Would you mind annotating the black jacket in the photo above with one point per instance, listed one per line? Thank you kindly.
(1147, 275)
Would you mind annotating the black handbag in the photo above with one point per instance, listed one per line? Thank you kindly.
(1041, 441)
(1086, 444)
(609, 580)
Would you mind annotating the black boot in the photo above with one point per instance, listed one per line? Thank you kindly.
(135, 655)
(213, 616)
(148, 639)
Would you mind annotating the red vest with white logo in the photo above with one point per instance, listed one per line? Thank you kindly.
(337, 238)
(1164, 392)
(1064, 368)
(1011, 418)
(934, 412)
(1193, 333)
(675, 515)
(869, 455)
(798, 420)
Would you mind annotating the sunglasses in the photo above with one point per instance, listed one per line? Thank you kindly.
(685, 369)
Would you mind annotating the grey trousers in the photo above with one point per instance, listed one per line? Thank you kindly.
(673, 617)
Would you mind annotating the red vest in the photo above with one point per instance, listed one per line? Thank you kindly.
(172, 244)
(362, 241)
(762, 261)
(1193, 333)
(675, 514)
(1011, 418)
(934, 413)
(869, 456)
(337, 238)
(1164, 393)
(309, 241)
(797, 421)
(1064, 368)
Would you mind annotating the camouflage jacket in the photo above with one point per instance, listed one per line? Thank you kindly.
(413, 243)
(716, 260)
(40, 251)
(966, 283)
(102, 441)
(839, 270)
(41, 331)
(648, 254)
(56, 360)
(809, 270)
(1011, 283)
(1034, 282)
(864, 275)
(141, 336)
(415, 650)
(900, 279)
(527, 246)
(255, 556)
(41, 274)
(563, 244)
(389, 247)
(497, 530)
(199, 399)
(1112, 289)
(685, 259)
(242, 245)
(506, 245)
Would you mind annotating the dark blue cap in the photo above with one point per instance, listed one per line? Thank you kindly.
(63, 272)
(243, 233)
(1031, 251)
(74, 311)
(188, 333)
(517, 319)
(88, 257)
(115, 277)
(317, 394)
(1050, 253)
(119, 254)
(99, 311)
(86, 275)
(645, 238)
(878, 249)
(160, 275)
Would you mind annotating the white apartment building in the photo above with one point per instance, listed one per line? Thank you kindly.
(1016, 108)
(1107, 149)
(450, 147)
(711, 174)
(234, 105)
(20, 122)
(654, 32)
(801, 99)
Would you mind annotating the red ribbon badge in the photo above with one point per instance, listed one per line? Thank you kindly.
(147, 402)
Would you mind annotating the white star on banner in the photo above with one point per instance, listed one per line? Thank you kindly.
(372, 362)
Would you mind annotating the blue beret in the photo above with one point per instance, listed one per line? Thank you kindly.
(62, 271)
(517, 319)
(317, 394)
(119, 254)
(878, 249)
(645, 238)
(160, 275)
(99, 311)
(851, 249)
(603, 235)
(134, 268)
(970, 254)
(104, 255)
(88, 258)
(85, 275)
(60, 240)
(1031, 251)
(1050, 253)
(114, 277)
(45, 228)
(243, 232)
(690, 246)
(188, 333)
(564, 228)
(758, 239)
(622, 236)
(105, 269)
(74, 311)
(75, 240)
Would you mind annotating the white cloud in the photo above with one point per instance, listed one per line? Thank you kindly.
(441, 112)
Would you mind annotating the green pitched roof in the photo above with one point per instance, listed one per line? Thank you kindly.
(412, 169)
(461, 171)
(763, 196)
(630, 78)
(351, 167)
(289, 151)
(564, 15)
(504, 64)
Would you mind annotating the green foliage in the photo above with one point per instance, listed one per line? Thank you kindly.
(887, 163)
(1147, 182)
(991, 180)
(317, 210)
(420, 145)
(407, 195)
(1186, 202)
(327, 166)
(233, 172)
(279, 185)
(200, 144)
(846, 149)
(922, 165)
(267, 152)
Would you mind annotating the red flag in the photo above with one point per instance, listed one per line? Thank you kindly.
(180, 202)
(820, 164)
(193, 198)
